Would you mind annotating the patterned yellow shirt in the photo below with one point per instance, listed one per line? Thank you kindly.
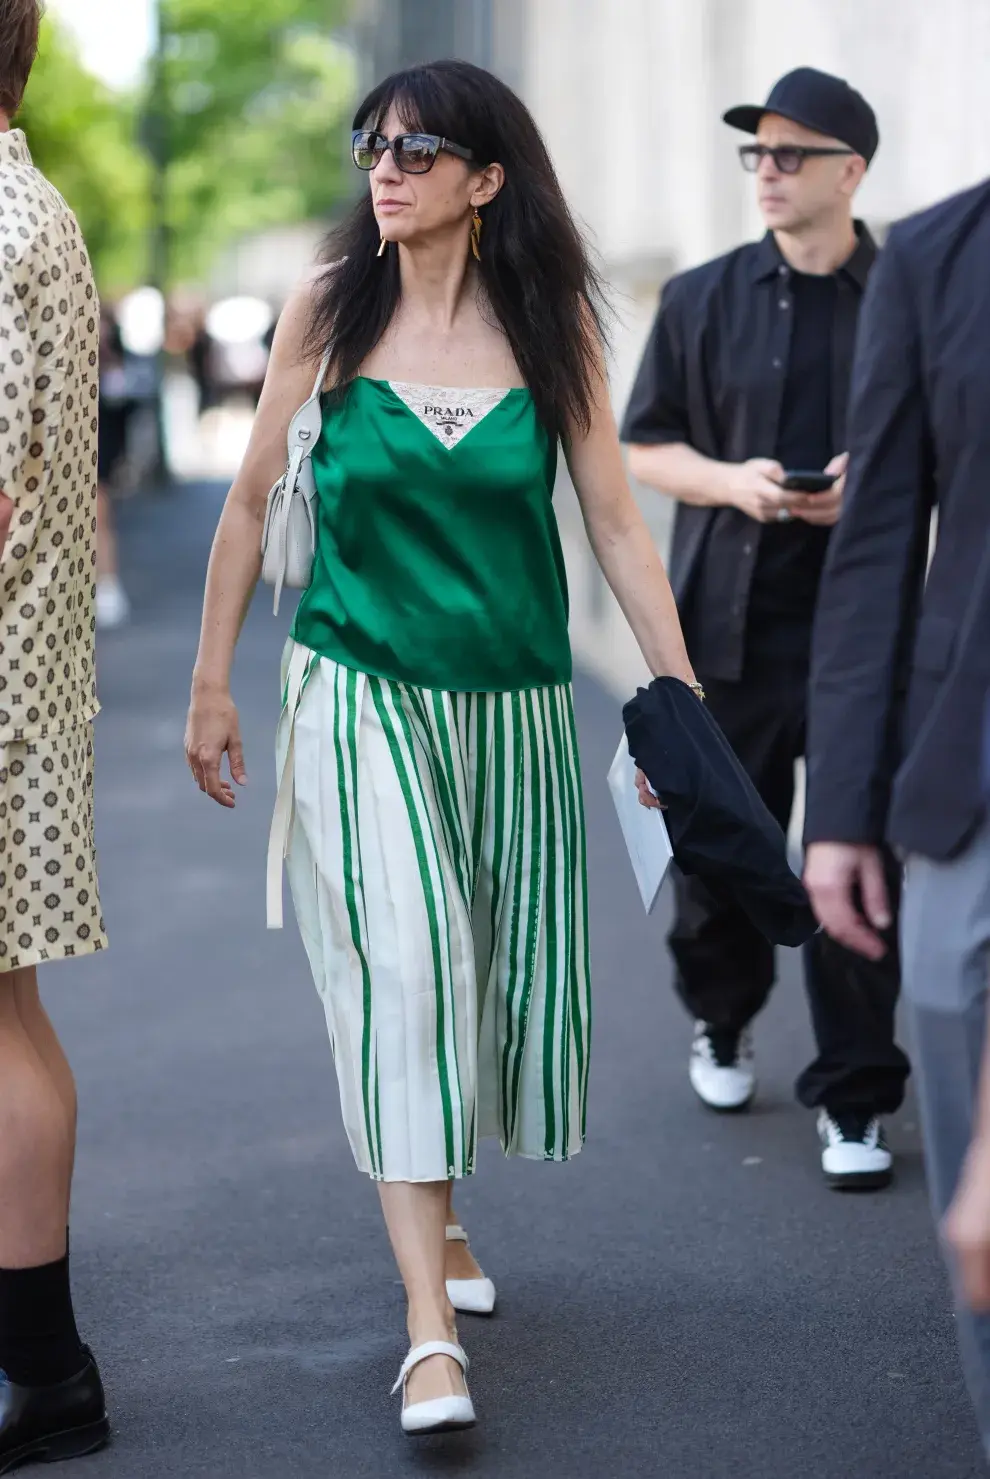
(49, 388)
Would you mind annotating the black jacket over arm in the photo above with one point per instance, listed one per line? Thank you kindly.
(900, 666)
(719, 826)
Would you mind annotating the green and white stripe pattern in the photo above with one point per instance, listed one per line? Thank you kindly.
(437, 867)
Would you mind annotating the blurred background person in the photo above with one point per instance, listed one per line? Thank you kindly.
(744, 381)
(200, 356)
(116, 407)
(900, 673)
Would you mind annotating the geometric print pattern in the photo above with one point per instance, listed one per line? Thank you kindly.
(49, 898)
(49, 388)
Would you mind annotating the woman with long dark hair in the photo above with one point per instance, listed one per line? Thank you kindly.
(435, 839)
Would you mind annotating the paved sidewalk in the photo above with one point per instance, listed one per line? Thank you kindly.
(686, 1299)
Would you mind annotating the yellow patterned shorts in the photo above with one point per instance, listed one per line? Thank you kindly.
(49, 896)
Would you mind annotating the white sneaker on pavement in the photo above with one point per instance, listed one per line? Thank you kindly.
(112, 605)
(854, 1152)
(721, 1069)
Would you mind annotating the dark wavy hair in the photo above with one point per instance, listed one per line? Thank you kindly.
(19, 23)
(540, 285)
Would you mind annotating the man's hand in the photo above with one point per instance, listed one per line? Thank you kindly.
(849, 894)
(967, 1228)
(823, 509)
(754, 487)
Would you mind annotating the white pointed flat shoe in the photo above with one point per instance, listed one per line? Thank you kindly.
(469, 1296)
(441, 1414)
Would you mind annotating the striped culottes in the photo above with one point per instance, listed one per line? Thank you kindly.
(436, 858)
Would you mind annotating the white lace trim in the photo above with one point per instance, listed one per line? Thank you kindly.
(449, 414)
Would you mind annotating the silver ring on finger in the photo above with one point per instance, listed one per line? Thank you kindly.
(783, 516)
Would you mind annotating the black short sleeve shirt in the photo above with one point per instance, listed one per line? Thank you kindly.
(713, 376)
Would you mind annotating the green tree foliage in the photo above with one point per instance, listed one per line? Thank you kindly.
(82, 136)
(256, 100)
(254, 96)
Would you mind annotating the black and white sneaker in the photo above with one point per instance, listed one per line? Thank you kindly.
(721, 1069)
(854, 1152)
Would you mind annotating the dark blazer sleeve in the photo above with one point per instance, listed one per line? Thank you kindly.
(658, 406)
(864, 624)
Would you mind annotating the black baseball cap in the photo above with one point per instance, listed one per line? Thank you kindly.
(819, 101)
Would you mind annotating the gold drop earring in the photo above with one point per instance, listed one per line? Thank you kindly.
(476, 236)
(381, 249)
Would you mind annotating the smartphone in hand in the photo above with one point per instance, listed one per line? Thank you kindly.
(808, 482)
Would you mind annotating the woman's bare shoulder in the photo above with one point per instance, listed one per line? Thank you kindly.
(302, 300)
(292, 334)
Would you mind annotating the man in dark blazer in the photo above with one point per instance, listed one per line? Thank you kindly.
(901, 670)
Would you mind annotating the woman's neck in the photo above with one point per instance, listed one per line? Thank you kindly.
(438, 277)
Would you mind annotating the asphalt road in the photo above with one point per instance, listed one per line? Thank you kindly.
(686, 1299)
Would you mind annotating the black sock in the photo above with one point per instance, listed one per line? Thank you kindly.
(39, 1342)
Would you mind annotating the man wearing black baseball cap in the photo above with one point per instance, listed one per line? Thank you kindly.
(738, 412)
(822, 103)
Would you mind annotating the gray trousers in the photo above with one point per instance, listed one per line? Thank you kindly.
(945, 936)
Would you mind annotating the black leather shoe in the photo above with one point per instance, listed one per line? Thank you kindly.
(43, 1424)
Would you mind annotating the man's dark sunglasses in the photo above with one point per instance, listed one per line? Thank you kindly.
(415, 154)
(787, 158)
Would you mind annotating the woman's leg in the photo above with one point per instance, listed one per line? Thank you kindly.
(106, 539)
(416, 1218)
(460, 1261)
(36, 1140)
(37, 1024)
(112, 605)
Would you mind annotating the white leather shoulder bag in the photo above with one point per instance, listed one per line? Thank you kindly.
(288, 541)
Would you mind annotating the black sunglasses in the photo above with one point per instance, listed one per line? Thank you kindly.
(415, 154)
(787, 158)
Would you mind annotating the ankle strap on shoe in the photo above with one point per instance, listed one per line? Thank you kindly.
(456, 1234)
(424, 1352)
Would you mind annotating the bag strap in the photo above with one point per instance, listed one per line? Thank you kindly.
(302, 431)
(322, 375)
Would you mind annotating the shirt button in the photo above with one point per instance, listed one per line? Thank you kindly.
(778, 364)
(747, 550)
(783, 303)
(782, 270)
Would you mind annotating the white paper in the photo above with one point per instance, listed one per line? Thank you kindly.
(643, 828)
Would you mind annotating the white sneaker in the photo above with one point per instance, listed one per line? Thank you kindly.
(721, 1069)
(112, 605)
(854, 1152)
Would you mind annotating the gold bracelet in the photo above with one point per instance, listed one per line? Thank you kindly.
(697, 690)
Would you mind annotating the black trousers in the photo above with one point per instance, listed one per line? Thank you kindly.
(726, 968)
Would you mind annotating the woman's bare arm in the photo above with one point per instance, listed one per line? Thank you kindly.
(235, 559)
(623, 544)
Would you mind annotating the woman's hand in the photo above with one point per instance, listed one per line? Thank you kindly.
(646, 795)
(212, 729)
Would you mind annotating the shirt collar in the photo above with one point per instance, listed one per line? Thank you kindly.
(768, 259)
(14, 148)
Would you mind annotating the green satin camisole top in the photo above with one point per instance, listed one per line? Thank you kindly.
(438, 560)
